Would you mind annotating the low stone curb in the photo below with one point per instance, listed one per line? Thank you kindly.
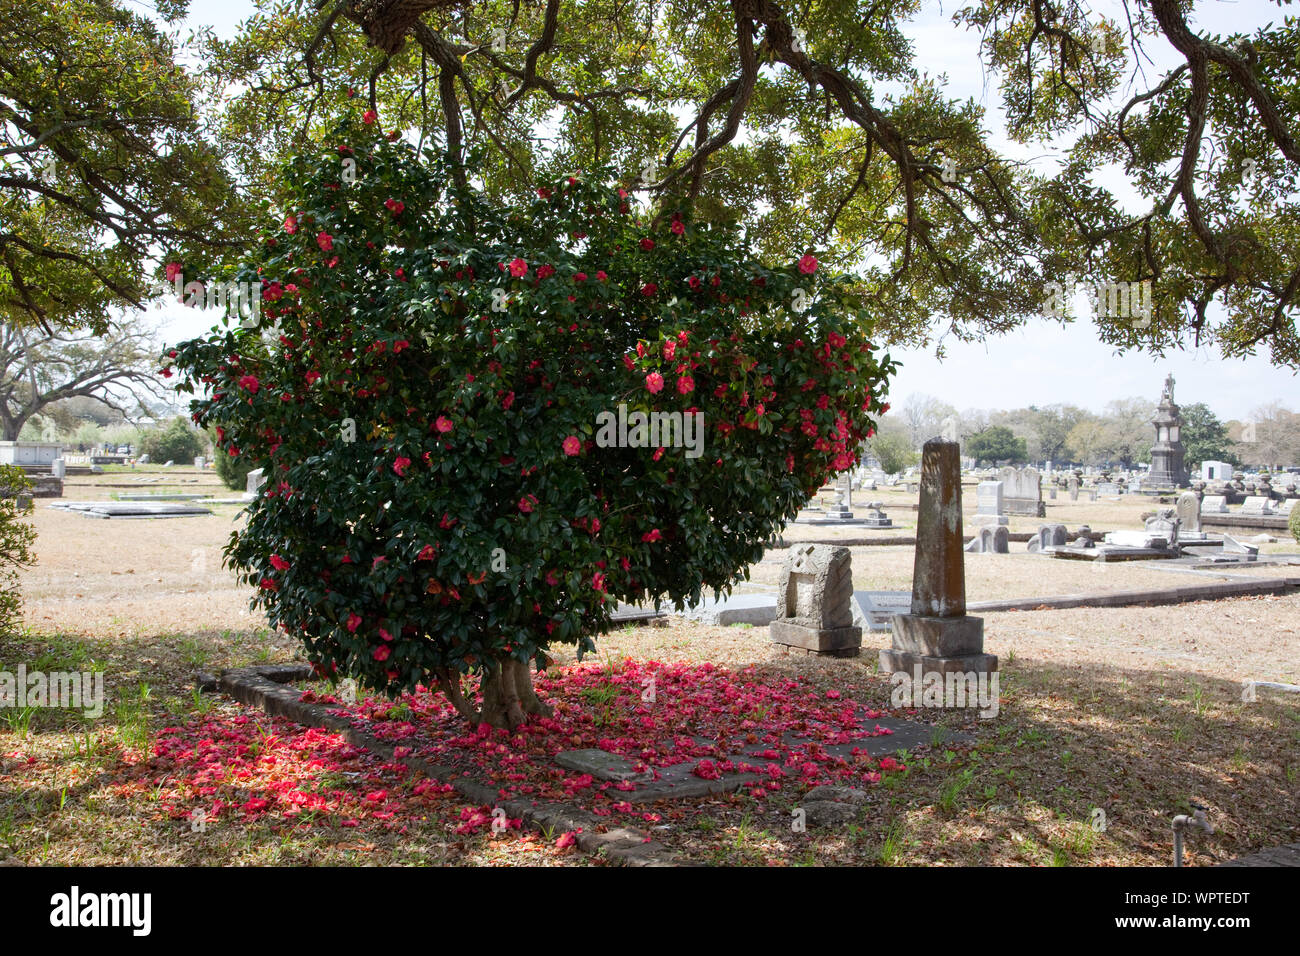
(263, 687)
(1200, 592)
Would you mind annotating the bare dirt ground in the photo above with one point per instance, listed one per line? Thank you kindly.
(1134, 711)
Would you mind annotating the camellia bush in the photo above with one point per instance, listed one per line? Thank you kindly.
(444, 391)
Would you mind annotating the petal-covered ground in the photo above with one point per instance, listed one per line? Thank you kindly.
(655, 715)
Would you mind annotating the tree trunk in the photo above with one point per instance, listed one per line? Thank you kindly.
(508, 695)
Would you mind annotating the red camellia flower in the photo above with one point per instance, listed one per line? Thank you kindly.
(693, 282)
(808, 265)
(443, 424)
(670, 349)
(325, 241)
(279, 563)
(426, 553)
(381, 652)
(652, 536)
(268, 585)
(311, 377)
(678, 227)
(654, 382)
(507, 400)
(686, 385)
(291, 224)
(369, 117)
(173, 270)
(598, 581)
(649, 289)
(518, 268)
(647, 244)
(545, 272)
(250, 383)
(526, 503)
(572, 445)
(353, 623)
(601, 276)
(400, 466)
(395, 206)
(580, 277)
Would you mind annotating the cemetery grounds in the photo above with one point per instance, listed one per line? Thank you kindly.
(1135, 712)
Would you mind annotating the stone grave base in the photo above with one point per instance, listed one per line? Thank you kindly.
(938, 636)
(894, 660)
(817, 640)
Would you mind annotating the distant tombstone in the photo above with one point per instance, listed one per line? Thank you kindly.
(168, 463)
(1214, 504)
(1107, 488)
(1164, 524)
(1189, 511)
(59, 468)
(1022, 491)
(813, 606)
(144, 459)
(1072, 485)
(988, 499)
(981, 541)
(877, 518)
(96, 469)
(1051, 492)
(1257, 505)
(1049, 536)
(1001, 540)
(199, 462)
(1284, 507)
(253, 483)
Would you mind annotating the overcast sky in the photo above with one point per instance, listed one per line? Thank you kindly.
(1039, 364)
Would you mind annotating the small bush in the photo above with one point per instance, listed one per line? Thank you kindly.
(1293, 523)
(16, 538)
(177, 442)
(233, 472)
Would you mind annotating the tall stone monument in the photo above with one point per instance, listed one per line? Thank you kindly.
(1167, 466)
(938, 634)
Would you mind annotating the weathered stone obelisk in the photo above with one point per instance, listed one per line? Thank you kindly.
(938, 634)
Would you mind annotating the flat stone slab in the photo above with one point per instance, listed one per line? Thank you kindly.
(679, 781)
(875, 610)
(601, 764)
(756, 609)
(634, 613)
(131, 509)
(1288, 855)
(1110, 553)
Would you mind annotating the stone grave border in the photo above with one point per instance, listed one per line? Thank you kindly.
(1200, 592)
(263, 687)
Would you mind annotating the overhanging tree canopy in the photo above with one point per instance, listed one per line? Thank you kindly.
(817, 124)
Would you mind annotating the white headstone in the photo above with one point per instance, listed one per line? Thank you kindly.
(1214, 504)
(1257, 505)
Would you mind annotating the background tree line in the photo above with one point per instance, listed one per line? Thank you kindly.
(1120, 435)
